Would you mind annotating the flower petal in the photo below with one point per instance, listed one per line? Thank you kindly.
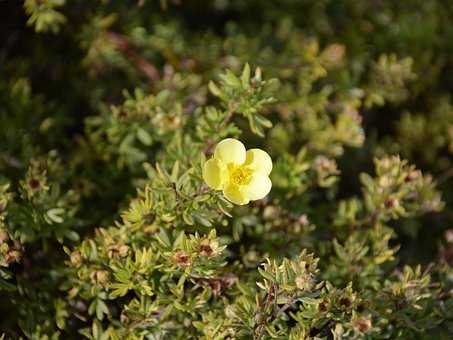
(212, 174)
(259, 160)
(234, 195)
(230, 151)
(258, 188)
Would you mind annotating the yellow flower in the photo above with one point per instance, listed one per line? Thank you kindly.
(242, 176)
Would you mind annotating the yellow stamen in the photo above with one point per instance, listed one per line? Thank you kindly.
(240, 175)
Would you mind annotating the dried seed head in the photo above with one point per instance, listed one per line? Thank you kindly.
(124, 318)
(182, 259)
(13, 256)
(413, 175)
(362, 324)
(3, 236)
(216, 286)
(303, 220)
(333, 54)
(345, 302)
(449, 236)
(303, 282)
(76, 259)
(122, 250)
(99, 276)
(206, 250)
(34, 183)
(116, 250)
(391, 203)
(208, 247)
(229, 279)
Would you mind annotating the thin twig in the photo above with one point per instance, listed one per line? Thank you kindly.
(445, 176)
(270, 297)
(123, 45)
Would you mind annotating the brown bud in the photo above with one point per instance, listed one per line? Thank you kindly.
(301, 282)
(351, 111)
(34, 183)
(325, 166)
(122, 114)
(99, 276)
(208, 247)
(76, 259)
(182, 259)
(117, 250)
(13, 256)
(322, 163)
(333, 54)
(303, 220)
(122, 250)
(149, 218)
(362, 324)
(216, 286)
(449, 236)
(391, 203)
(124, 318)
(345, 302)
(414, 174)
(3, 236)
(205, 248)
(229, 279)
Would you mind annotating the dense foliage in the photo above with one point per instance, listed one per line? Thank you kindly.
(109, 111)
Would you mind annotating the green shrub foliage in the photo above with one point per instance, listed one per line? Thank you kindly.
(108, 111)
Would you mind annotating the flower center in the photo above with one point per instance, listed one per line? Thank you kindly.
(240, 175)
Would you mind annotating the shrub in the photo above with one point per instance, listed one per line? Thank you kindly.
(117, 218)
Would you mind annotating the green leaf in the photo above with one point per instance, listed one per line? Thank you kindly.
(245, 77)
(97, 330)
(144, 137)
(201, 219)
(71, 235)
(214, 89)
(119, 289)
(54, 215)
(101, 309)
(230, 79)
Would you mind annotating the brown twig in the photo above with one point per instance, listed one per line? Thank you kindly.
(445, 176)
(287, 305)
(123, 45)
(270, 299)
